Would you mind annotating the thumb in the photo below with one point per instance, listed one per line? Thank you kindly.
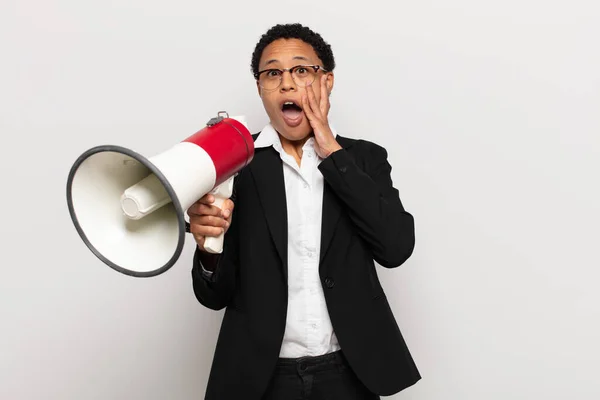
(227, 208)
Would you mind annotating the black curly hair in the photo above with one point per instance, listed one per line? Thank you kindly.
(294, 31)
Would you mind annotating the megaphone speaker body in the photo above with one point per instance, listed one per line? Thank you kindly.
(129, 210)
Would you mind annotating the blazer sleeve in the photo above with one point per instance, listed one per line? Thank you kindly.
(214, 275)
(372, 202)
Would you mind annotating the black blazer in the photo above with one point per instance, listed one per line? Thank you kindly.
(363, 220)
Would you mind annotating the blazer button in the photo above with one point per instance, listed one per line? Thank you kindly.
(343, 169)
(329, 282)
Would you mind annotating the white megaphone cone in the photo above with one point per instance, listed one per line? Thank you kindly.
(129, 210)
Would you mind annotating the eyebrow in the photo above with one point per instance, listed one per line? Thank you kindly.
(274, 60)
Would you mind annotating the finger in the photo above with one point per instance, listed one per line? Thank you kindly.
(209, 220)
(207, 199)
(227, 208)
(324, 106)
(200, 239)
(203, 205)
(312, 100)
(204, 230)
(199, 209)
(308, 111)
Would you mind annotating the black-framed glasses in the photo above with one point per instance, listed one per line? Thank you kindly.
(303, 75)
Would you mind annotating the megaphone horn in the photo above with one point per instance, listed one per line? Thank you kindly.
(129, 209)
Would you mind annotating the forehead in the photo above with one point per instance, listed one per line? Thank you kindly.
(288, 51)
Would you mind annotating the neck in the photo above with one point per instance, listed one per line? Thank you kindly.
(294, 147)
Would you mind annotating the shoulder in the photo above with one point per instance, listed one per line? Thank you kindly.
(362, 147)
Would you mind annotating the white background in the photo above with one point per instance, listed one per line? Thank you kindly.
(490, 112)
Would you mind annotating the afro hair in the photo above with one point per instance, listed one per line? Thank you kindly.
(294, 31)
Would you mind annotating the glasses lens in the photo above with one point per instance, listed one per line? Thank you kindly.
(270, 79)
(303, 75)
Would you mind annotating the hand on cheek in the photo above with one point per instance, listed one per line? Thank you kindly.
(317, 111)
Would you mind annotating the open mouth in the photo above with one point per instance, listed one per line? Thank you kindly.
(290, 106)
(292, 113)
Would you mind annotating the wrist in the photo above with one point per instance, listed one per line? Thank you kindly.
(207, 260)
(333, 148)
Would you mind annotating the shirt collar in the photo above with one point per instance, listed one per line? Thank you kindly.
(269, 137)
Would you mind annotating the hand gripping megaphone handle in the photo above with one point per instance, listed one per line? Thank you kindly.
(224, 191)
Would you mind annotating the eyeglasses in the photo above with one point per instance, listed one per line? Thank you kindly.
(303, 75)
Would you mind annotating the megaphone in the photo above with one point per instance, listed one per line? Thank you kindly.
(130, 210)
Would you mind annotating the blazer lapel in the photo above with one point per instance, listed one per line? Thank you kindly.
(267, 172)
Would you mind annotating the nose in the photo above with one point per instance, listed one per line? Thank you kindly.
(287, 83)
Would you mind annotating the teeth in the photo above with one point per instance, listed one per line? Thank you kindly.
(288, 102)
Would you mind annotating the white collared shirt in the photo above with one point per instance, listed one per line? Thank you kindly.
(308, 330)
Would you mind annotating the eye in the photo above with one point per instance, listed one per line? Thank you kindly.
(301, 71)
(273, 73)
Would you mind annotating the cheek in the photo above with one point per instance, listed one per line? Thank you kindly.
(268, 103)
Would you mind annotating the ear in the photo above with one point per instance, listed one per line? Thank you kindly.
(330, 81)
(258, 89)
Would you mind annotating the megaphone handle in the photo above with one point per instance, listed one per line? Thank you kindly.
(214, 244)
